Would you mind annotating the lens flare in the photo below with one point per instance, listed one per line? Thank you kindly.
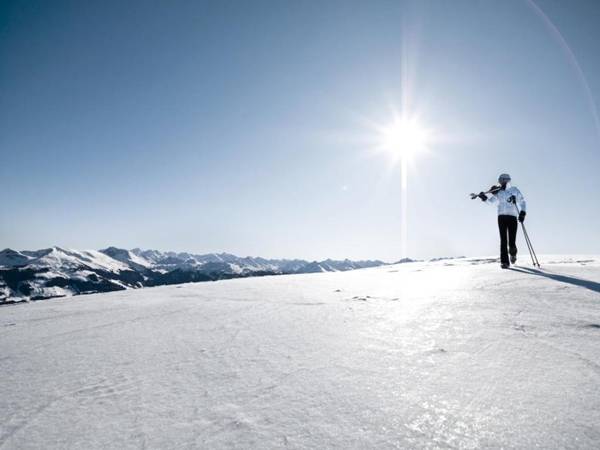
(403, 139)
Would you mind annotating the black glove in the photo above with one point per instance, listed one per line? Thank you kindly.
(522, 216)
(482, 196)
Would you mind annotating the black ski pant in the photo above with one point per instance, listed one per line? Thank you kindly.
(508, 236)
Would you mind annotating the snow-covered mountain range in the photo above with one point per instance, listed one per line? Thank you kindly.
(58, 272)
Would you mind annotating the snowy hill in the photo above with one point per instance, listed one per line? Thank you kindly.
(58, 272)
(447, 354)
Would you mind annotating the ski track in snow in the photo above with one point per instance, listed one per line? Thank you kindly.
(450, 354)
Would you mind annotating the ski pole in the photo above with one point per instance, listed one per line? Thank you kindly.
(534, 259)
(527, 241)
(512, 199)
(530, 245)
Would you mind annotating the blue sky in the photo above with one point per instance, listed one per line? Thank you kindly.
(244, 126)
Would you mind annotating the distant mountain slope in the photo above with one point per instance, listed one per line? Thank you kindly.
(58, 272)
(10, 258)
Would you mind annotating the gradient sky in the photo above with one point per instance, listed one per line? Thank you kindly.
(243, 126)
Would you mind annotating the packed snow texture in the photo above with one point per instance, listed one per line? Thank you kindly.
(454, 353)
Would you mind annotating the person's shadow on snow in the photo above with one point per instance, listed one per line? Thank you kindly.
(591, 285)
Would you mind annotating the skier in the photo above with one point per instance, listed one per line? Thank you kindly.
(507, 197)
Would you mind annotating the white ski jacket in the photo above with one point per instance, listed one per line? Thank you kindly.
(506, 208)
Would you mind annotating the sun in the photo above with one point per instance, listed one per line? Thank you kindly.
(404, 138)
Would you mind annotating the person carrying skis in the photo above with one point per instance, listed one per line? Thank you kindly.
(507, 197)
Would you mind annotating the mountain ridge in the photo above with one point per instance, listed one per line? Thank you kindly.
(58, 272)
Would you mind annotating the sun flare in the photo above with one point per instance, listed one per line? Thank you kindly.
(404, 138)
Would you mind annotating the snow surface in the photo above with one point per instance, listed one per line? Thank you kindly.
(454, 353)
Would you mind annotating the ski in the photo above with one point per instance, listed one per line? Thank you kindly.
(492, 190)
